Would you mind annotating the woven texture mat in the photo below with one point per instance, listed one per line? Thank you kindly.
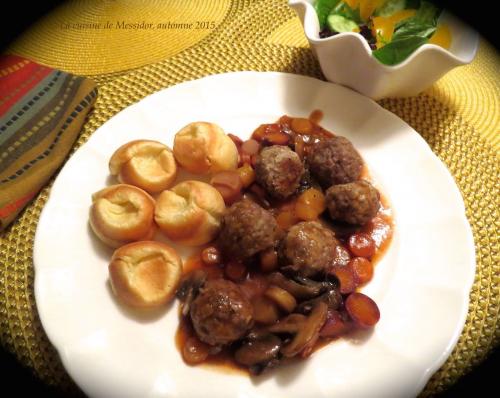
(262, 36)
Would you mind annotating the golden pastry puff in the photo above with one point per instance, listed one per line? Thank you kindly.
(122, 214)
(149, 165)
(202, 147)
(145, 274)
(190, 213)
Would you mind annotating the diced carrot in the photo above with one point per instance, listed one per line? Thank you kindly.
(286, 219)
(268, 260)
(310, 204)
(288, 205)
(362, 310)
(362, 268)
(335, 325)
(228, 194)
(265, 129)
(361, 245)
(259, 132)
(346, 277)
(247, 175)
(341, 256)
(276, 138)
(250, 146)
(229, 185)
(301, 125)
(305, 212)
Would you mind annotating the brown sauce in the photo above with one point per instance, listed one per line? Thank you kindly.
(380, 229)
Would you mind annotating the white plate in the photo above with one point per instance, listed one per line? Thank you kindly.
(421, 285)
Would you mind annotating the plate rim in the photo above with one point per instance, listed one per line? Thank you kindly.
(466, 287)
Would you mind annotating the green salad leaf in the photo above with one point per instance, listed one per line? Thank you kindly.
(347, 12)
(343, 18)
(427, 13)
(398, 50)
(409, 35)
(323, 8)
(414, 28)
(338, 23)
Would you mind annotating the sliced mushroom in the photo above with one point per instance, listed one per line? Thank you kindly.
(265, 311)
(262, 367)
(258, 351)
(297, 290)
(281, 297)
(290, 324)
(332, 298)
(303, 288)
(189, 287)
(330, 282)
(306, 329)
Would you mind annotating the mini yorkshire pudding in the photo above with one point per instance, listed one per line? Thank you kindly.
(190, 213)
(149, 165)
(145, 274)
(203, 147)
(121, 214)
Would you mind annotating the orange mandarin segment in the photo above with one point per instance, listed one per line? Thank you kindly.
(402, 15)
(367, 7)
(383, 27)
(441, 37)
(352, 3)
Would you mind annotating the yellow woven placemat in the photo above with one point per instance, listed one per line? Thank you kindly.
(253, 35)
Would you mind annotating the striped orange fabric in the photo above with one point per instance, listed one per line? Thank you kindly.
(42, 111)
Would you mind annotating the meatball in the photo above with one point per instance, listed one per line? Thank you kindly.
(246, 230)
(334, 161)
(354, 203)
(309, 247)
(221, 313)
(279, 170)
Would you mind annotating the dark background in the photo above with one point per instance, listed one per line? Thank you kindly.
(21, 14)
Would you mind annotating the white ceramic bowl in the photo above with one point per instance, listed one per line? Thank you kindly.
(347, 59)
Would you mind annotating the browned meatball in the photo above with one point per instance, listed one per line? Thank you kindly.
(246, 230)
(354, 203)
(278, 170)
(221, 313)
(309, 247)
(334, 161)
